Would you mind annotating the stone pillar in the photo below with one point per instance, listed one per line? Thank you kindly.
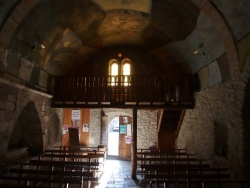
(104, 130)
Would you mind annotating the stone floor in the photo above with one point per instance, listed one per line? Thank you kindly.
(117, 173)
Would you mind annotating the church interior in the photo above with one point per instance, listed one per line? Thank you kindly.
(173, 75)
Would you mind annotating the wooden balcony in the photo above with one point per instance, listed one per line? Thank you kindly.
(157, 91)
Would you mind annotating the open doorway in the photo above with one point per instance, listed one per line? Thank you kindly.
(113, 137)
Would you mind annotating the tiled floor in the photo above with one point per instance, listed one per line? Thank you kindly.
(117, 173)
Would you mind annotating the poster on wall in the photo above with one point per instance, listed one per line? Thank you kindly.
(125, 119)
(128, 139)
(85, 127)
(129, 132)
(75, 118)
(65, 129)
(76, 114)
(123, 129)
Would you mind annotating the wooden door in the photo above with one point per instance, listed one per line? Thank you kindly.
(125, 136)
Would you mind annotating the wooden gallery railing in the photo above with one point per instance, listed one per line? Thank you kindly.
(152, 90)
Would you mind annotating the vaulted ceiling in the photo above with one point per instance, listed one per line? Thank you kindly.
(184, 34)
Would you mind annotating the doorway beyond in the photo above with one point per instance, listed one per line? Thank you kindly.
(113, 137)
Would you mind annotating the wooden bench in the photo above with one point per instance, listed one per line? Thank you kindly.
(144, 168)
(3, 185)
(205, 183)
(76, 169)
(38, 162)
(26, 175)
(53, 173)
(181, 176)
(153, 150)
(70, 157)
(36, 180)
(169, 160)
(95, 167)
(74, 152)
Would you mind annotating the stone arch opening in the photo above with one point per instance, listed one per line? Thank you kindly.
(27, 131)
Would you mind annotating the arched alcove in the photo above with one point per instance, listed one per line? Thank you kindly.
(27, 132)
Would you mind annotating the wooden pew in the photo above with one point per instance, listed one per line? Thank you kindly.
(187, 176)
(60, 168)
(38, 162)
(29, 180)
(169, 160)
(29, 174)
(151, 167)
(72, 157)
(3, 185)
(161, 151)
(100, 154)
(74, 152)
(95, 167)
(55, 173)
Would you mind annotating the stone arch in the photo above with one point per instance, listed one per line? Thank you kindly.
(23, 8)
(224, 32)
(110, 114)
(27, 130)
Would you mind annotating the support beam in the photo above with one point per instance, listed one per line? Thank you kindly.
(134, 144)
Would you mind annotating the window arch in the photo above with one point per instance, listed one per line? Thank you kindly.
(113, 72)
(126, 70)
(122, 70)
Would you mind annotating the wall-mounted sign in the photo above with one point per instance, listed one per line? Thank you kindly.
(123, 129)
(85, 127)
(125, 119)
(128, 139)
(76, 115)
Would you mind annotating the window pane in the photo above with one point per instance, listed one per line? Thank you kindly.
(126, 69)
(114, 69)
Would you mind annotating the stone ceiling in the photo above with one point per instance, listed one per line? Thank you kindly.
(74, 31)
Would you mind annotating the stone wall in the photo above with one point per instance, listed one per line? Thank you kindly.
(221, 103)
(13, 101)
(146, 128)
(95, 127)
(146, 125)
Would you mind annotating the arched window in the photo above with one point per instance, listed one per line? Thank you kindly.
(113, 72)
(126, 71)
(114, 69)
(122, 70)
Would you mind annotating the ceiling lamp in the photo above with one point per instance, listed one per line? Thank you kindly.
(119, 54)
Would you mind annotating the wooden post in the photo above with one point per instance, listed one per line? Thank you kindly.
(134, 144)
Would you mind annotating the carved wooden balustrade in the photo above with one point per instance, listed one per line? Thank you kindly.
(123, 91)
